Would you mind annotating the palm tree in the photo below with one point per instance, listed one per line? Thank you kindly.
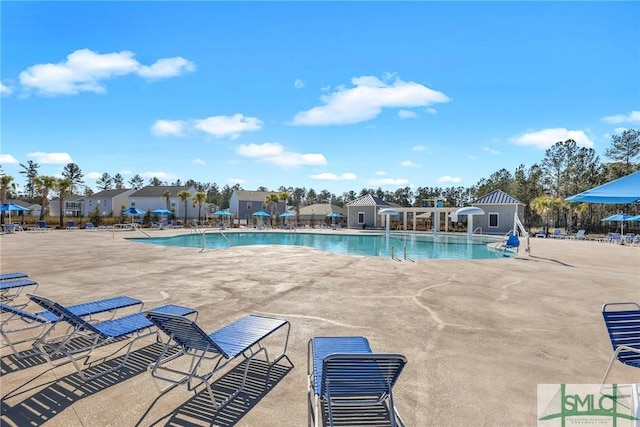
(166, 195)
(199, 200)
(271, 200)
(184, 196)
(44, 184)
(542, 206)
(5, 184)
(63, 186)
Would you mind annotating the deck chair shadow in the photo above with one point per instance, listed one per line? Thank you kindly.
(199, 356)
(344, 373)
(83, 336)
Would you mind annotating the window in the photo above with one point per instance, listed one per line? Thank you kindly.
(360, 217)
(493, 220)
(249, 206)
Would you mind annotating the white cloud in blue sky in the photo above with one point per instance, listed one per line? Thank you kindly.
(366, 100)
(327, 176)
(8, 159)
(545, 138)
(50, 158)
(632, 117)
(86, 71)
(275, 153)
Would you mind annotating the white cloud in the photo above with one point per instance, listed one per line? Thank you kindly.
(5, 90)
(545, 138)
(407, 114)
(166, 67)
(327, 176)
(431, 110)
(299, 84)
(50, 158)
(390, 182)
(93, 175)
(199, 162)
(236, 180)
(632, 117)
(231, 126)
(419, 148)
(366, 100)
(169, 128)
(268, 149)
(8, 159)
(162, 176)
(85, 70)
(448, 178)
(380, 173)
(126, 172)
(409, 164)
(490, 150)
(275, 153)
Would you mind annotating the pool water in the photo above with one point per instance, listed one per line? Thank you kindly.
(424, 246)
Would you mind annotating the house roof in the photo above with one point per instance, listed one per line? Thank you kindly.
(321, 209)
(497, 197)
(157, 190)
(108, 194)
(253, 196)
(368, 200)
(70, 197)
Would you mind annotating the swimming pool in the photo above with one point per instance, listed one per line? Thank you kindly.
(418, 246)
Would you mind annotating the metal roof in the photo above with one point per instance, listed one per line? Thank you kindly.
(368, 200)
(497, 197)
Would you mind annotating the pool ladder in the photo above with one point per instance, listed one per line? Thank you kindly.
(393, 254)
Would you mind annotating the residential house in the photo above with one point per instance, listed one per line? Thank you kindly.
(499, 212)
(151, 198)
(73, 206)
(243, 204)
(108, 202)
(317, 214)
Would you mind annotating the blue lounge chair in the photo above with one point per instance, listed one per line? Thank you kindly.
(541, 233)
(622, 320)
(241, 340)
(16, 321)
(512, 243)
(89, 226)
(11, 289)
(13, 275)
(343, 372)
(84, 336)
(580, 235)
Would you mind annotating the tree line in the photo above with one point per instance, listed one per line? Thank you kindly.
(565, 169)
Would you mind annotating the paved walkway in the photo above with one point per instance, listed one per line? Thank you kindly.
(479, 334)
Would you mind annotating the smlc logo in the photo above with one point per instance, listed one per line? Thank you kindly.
(591, 405)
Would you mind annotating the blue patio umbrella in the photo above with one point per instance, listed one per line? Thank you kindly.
(621, 217)
(287, 214)
(223, 212)
(262, 214)
(133, 211)
(10, 206)
(334, 215)
(621, 190)
(162, 212)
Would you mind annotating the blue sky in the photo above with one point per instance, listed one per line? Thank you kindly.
(325, 95)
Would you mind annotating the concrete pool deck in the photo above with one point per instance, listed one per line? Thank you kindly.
(479, 335)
